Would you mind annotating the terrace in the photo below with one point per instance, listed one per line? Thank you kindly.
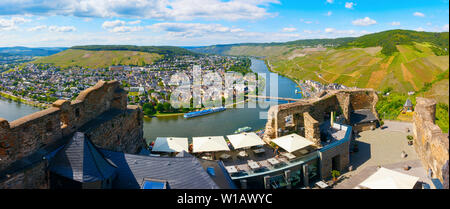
(246, 156)
(256, 162)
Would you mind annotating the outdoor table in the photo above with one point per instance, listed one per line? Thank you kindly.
(253, 165)
(225, 156)
(242, 153)
(259, 151)
(304, 151)
(321, 184)
(206, 157)
(289, 155)
(273, 161)
(231, 169)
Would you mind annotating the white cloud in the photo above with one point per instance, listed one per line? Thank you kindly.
(420, 29)
(11, 24)
(134, 22)
(329, 13)
(445, 27)
(364, 22)
(330, 1)
(349, 5)
(289, 29)
(147, 9)
(112, 24)
(395, 23)
(418, 14)
(55, 28)
(193, 29)
(329, 30)
(37, 28)
(119, 26)
(345, 32)
(125, 29)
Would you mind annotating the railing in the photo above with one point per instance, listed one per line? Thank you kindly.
(292, 163)
(347, 137)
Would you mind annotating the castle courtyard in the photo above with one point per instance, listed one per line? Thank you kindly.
(383, 147)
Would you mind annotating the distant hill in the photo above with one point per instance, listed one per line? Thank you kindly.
(402, 59)
(102, 56)
(26, 51)
(386, 39)
(98, 59)
(267, 49)
(390, 39)
(162, 50)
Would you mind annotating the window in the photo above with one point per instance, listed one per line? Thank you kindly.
(154, 184)
(211, 171)
(77, 112)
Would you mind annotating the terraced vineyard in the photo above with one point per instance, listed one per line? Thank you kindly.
(406, 70)
(99, 59)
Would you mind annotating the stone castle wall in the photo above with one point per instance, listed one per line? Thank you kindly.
(340, 101)
(430, 143)
(101, 112)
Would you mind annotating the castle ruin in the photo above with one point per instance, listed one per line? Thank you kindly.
(100, 112)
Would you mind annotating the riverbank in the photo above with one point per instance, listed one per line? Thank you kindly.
(23, 100)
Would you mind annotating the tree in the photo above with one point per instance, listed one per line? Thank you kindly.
(160, 107)
(167, 107)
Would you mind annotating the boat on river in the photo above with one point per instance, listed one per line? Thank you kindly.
(243, 129)
(204, 112)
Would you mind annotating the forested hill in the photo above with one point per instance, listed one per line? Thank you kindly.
(162, 50)
(226, 49)
(390, 39)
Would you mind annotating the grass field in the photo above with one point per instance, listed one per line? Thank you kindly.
(98, 59)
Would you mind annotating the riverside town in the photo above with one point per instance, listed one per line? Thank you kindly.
(224, 103)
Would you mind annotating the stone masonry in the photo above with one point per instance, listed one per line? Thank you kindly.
(339, 101)
(308, 114)
(430, 143)
(101, 112)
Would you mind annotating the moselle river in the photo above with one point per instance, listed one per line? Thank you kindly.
(222, 123)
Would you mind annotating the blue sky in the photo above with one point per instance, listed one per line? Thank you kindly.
(205, 22)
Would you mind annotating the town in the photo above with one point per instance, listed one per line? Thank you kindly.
(43, 84)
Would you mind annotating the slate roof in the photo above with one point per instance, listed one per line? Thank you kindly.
(80, 161)
(362, 116)
(408, 103)
(180, 172)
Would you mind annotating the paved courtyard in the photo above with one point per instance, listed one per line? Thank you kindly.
(383, 147)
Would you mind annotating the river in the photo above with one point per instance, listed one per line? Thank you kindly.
(216, 124)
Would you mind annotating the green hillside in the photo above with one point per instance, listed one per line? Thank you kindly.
(98, 59)
(390, 39)
(102, 56)
(406, 70)
(268, 49)
(163, 50)
(402, 59)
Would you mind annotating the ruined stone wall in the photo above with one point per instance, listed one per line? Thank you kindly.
(312, 130)
(430, 143)
(35, 177)
(100, 111)
(124, 131)
(326, 159)
(342, 101)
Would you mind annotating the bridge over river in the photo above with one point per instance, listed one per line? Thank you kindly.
(273, 98)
